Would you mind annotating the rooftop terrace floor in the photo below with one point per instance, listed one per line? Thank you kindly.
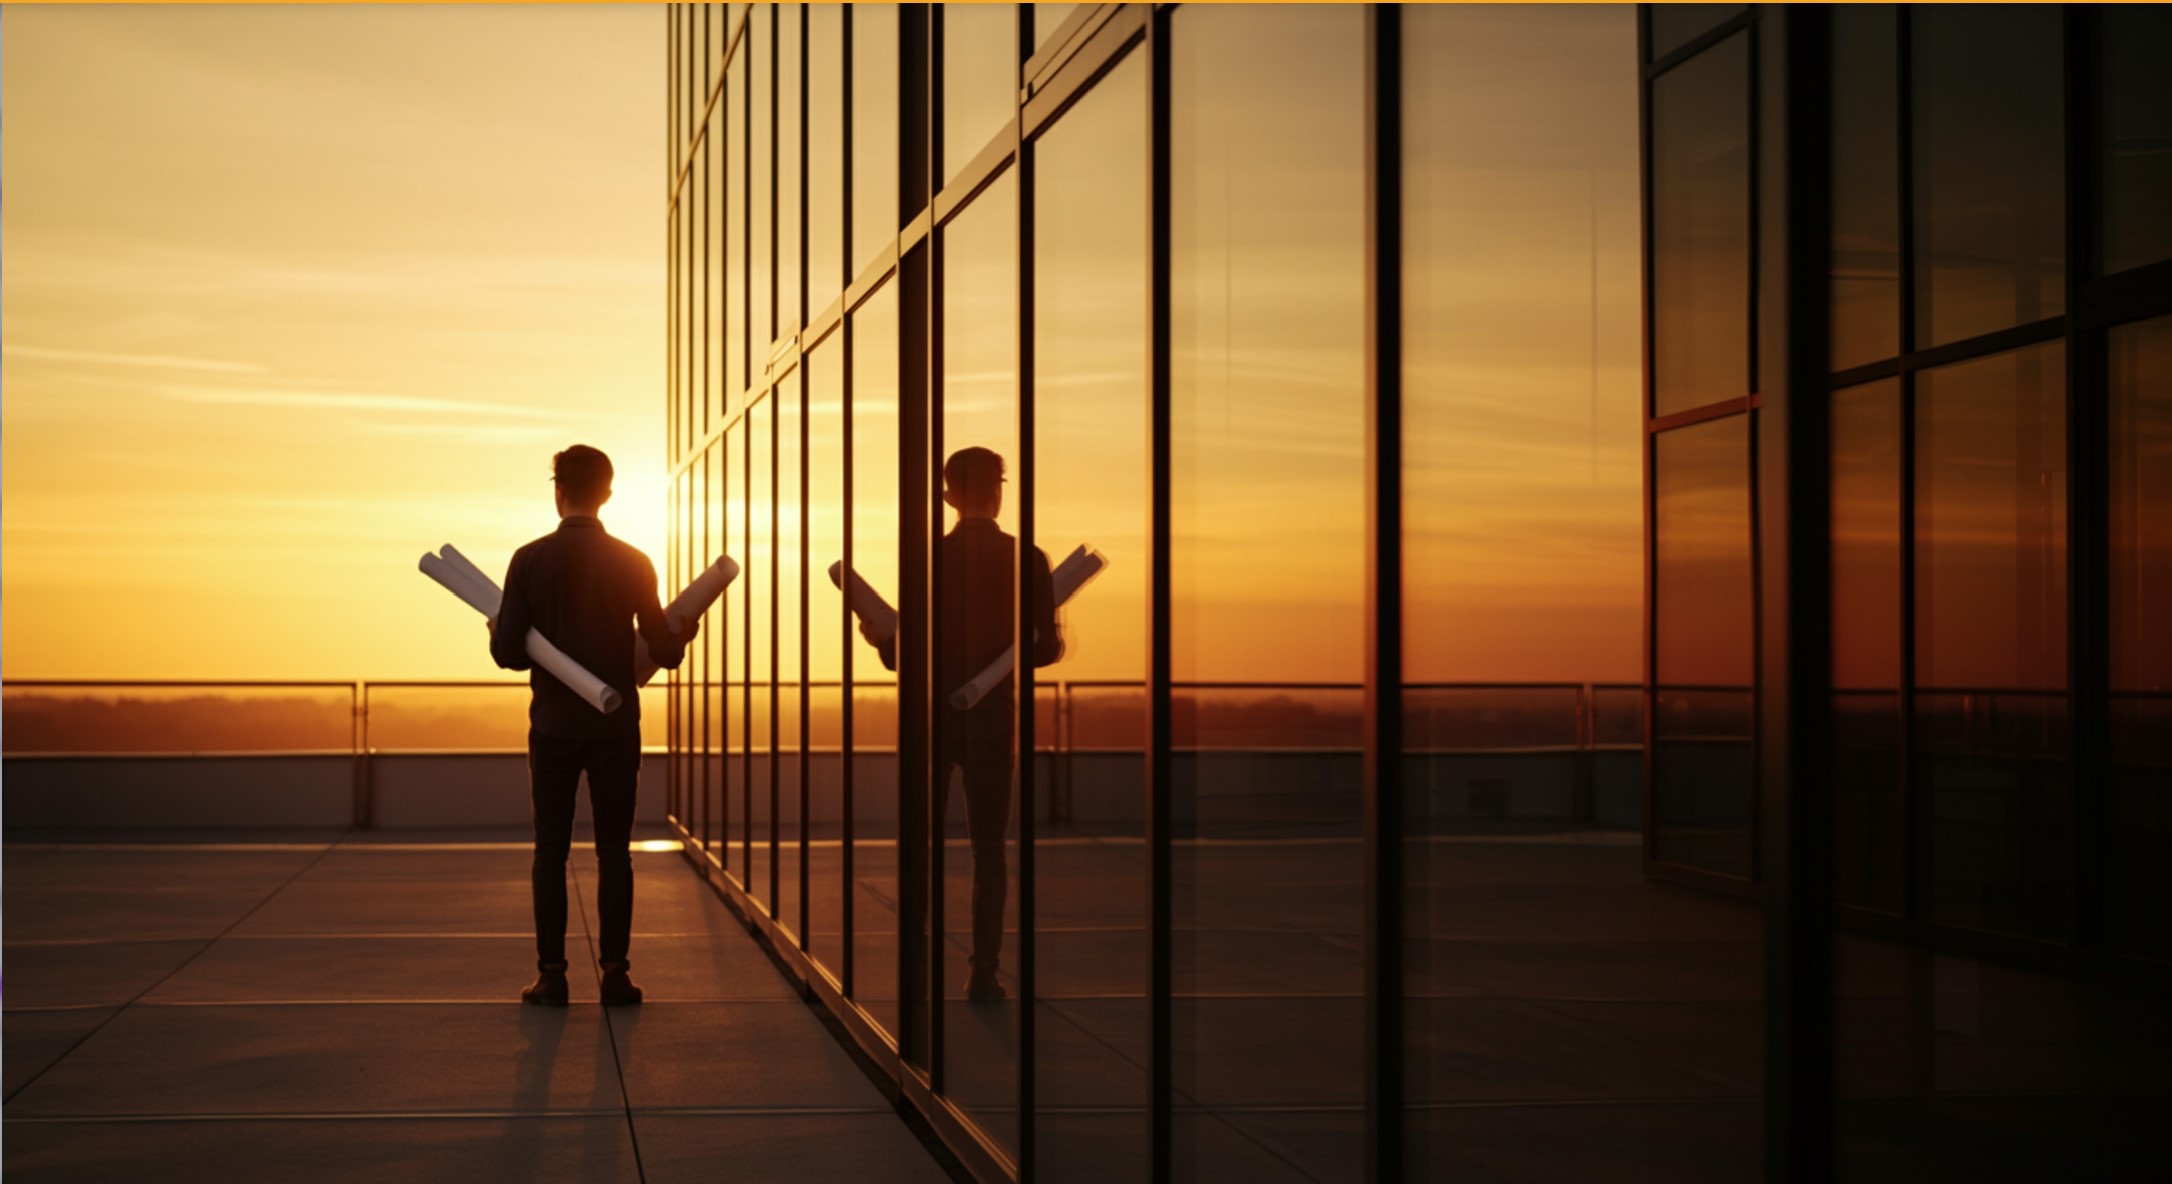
(344, 1007)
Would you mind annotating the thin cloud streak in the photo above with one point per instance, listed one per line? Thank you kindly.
(343, 401)
(152, 361)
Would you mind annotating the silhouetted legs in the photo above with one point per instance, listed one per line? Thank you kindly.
(555, 766)
(979, 742)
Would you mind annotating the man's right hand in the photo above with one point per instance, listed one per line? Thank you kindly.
(693, 628)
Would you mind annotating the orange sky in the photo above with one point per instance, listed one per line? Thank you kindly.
(292, 295)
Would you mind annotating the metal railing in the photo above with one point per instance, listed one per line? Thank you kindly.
(194, 717)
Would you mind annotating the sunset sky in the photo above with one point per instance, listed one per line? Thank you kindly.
(294, 294)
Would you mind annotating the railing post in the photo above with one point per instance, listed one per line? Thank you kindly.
(360, 745)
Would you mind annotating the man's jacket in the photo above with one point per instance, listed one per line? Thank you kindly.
(584, 590)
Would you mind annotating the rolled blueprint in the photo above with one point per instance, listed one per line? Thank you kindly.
(867, 604)
(475, 575)
(1076, 571)
(699, 595)
(687, 606)
(485, 597)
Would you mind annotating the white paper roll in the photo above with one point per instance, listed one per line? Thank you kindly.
(867, 604)
(1076, 571)
(465, 566)
(483, 598)
(486, 599)
(699, 595)
(686, 606)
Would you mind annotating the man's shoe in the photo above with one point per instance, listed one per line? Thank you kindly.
(982, 986)
(549, 988)
(617, 990)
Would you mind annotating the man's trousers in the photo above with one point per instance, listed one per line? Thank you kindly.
(555, 765)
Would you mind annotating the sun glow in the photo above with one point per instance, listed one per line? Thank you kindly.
(254, 370)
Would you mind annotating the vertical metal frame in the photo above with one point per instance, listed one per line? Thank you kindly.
(1160, 887)
(929, 491)
(919, 425)
(1648, 444)
(806, 557)
(743, 464)
(768, 49)
(2088, 502)
(1026, 682)
(846, 331)
(1792, 446)
(1382, 781)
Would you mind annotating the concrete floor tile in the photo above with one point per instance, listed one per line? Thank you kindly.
(693, 969)
(575, 1150)
(33, 1040)
(1505, 1050)
(1325, 1146)
(1643, 1143)
(362, 864)
(733, 1055)
(873, 1148)
(100, 914)
(338, 969)
(1595, 971)
(317, 1059)
(1207, 1148)
(1092, 1055)
(76, 974)
(1074, 1147)
(443, 906)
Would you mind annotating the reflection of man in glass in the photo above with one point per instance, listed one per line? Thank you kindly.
(974, 611)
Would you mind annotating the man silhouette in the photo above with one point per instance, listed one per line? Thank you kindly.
(583, 590)
(975, 603)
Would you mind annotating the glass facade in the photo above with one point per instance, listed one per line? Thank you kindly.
(1388, 781)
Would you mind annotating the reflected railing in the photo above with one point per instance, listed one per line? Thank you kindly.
(69, 717)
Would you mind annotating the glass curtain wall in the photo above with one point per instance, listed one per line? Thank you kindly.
(1998, 304)
(1328, 341)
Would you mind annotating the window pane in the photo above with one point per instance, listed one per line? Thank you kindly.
(734, 112)
(980, 78)
(790, 638)
(1701, 229)
(1523, 564)
(1866, 184)
(1991, 637)
(826, 639)
(975, 611)
(761, 49)
(1676, 25)
(2141, 540)
(761, 574)
(728, 669)
(1702, 762)
(874, 558)
(2135, 91)
(1047, 18)
(1267, 586)
(1523, 536)
(1869, 796)
(1989, 169)
(825, 155)
(789, 315)
(875, 219)
(1090, 414)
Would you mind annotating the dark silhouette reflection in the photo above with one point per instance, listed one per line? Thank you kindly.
(973, 631)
